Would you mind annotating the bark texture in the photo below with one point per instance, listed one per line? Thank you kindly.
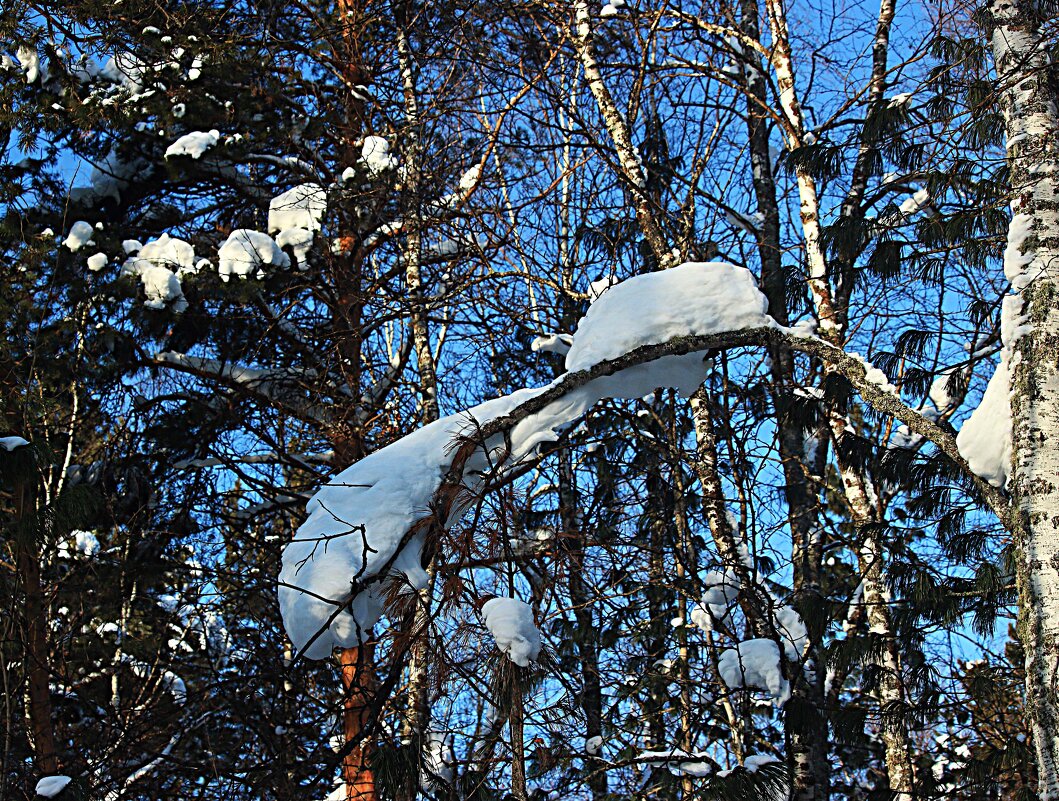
(1019, 32)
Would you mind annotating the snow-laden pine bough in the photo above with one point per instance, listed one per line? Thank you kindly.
(364, 539)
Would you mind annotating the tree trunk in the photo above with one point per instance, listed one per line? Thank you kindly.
(357, 667)
(890, 692)
(417, 714)
(37, 671)
(1029, 98)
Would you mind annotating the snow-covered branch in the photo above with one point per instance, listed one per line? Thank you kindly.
(369, 525)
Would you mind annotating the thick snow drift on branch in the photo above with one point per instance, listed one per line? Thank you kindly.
(510, 621)
(81, 234)
(193, 144)
(301, 207)
(985, 439)
(247, 252)
(755, 663)
(361, 526)
(293, 217)
(51, 786)
(694, 298)
(358, 529)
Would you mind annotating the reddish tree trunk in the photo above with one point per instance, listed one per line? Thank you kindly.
(357, 666)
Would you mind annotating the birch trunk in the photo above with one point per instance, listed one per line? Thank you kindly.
(816, 261)
(890, 692)
(631, 170)
(417, 715)
(806, 732)
(1029, 98)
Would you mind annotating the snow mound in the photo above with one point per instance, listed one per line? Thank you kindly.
(165, 251)
(10, 443)
(376, 157)
(510, 621)
(247, 252)
(193, 144)
(81, 234)
(985, 439)
(693, 299)
(293, 217)
(755, 663)
(162, 287)
(301, 207)
(552, 343)
(51, 786)
(152, 264)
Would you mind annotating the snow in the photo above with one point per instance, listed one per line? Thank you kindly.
(874, 374)
(300, 241)
(125, 69)
(792, 631)
(752, 763)
(111, 176)
(510, 621)
(361, 530)
(152, 263)
(593, 745)
(29, 61)
(10, 443)
(51, 786)
(300, 207)
(375, 155)
(438, 759)
(294, 215)
(1015, 261)
(985, 439)
(722, 588)
(165, 251)
(755, 663)
(193, 144)
(916, 202)
(939, 391)
(374, 502)
(247, 252)
(469, 180)
(81, 234)
(678, 761)
(601, 285)
(552, 343)
(162, 286)
(85, 542)
(608, 11)
(97, 262)
(695, 298)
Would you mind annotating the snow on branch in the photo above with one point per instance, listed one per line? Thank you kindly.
(366, 529)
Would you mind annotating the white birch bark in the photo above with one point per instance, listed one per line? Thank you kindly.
(417, 715)
(1019, 31)
(783, 65)
(621, 137)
